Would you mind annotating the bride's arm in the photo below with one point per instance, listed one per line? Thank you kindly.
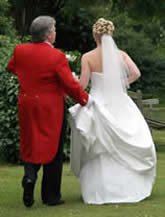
(85, 72)
(133, 69)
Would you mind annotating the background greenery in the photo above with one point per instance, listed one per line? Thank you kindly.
(140, 31)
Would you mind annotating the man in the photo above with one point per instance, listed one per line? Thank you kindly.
(45, 77)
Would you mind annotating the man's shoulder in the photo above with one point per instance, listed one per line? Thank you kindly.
(23, 46)
(59, 52)
(59, 55)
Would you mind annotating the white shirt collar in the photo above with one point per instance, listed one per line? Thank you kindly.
(49, 43)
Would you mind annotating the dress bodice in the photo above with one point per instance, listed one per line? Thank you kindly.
(97, 85)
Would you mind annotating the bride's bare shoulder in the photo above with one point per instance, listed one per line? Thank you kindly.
(88, 54)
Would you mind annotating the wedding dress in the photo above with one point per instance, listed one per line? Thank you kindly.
(112, 151)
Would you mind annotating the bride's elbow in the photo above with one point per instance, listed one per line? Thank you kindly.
(83, 85)
(138, 74)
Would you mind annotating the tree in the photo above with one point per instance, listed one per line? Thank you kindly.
(5, 21)
(140, 9)
(143, 52)
(26, 10)
(74, 30)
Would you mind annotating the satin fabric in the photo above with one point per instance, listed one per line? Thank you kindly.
(112, 151)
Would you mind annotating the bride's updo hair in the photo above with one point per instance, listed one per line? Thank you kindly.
(103, 26)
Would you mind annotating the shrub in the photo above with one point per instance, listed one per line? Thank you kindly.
(9, 142)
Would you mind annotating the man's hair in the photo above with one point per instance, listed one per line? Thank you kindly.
(40, 27)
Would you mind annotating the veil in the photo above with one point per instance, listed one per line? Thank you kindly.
(115, 71)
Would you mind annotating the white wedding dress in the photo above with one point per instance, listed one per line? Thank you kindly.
(112, 151)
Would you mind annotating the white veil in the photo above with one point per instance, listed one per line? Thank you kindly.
(114, 69)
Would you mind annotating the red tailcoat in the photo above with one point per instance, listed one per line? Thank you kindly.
(44, 77)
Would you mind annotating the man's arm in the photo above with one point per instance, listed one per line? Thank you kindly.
(70, 85)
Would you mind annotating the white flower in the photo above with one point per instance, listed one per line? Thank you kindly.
(68, 56)
(71, 58)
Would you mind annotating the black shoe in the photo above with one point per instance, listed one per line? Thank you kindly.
(28, 198)
(59, 202)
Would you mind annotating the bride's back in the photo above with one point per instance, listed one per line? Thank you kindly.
(95, 60)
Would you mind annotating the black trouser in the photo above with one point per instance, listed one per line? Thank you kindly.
(52, 172)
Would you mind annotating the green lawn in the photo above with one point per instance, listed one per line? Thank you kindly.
(156, 113)
(159, 137)
(11, 197)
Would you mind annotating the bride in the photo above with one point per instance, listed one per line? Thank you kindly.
(112, 151)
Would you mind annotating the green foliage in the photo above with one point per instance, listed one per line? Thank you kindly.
(9, 141)
(4, 5)
(26, 10)
(76, 25)
(9, 134)
(154, 31)
(74, 59)
(5, 21)
(146, 9)
(131, 38)
(140, 9)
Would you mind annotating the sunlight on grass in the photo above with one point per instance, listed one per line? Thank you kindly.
(11, 197)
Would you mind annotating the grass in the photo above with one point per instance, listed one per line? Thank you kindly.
(155, 113)
(11, 197)
(159, 137)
